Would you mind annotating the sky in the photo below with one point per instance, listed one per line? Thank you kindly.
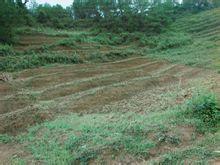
(64, 3)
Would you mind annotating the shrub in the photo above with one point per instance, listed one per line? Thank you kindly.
(66, 42)
(5, 138)
(166, 40)
(114, 55)
(173, 40)
(8, 18)
(13, 63)
(96, 57)
(204, 106)
(6, 50)
(107, 39)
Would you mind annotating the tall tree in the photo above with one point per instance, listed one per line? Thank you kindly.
(8, 19)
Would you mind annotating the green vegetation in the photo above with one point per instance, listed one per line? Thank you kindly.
(205, 107)
(53, 16)
(19, 62)
(12, 14)
(6, 50)
(79, 139)
(5, 138)
(8, 19)
(115, 16)
(98, 114)
(193, 41)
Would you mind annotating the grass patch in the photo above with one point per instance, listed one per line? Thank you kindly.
(197, 155)
(6, 50)
(167, 40)
(14, 63)
(80, 139)
(204, 106)
(4, 138)
(200, 54)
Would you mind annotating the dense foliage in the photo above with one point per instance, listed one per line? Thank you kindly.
(197, 5)
(53, 16)
(149, 16)
(118, 16)
(12, 14)
(205, 107)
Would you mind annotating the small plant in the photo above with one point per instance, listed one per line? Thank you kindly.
(17, 161)
(6, 50)
(96, 57)
(5, 138)
(114, 55)
(14, 63)
(170, 139)
(204, 106)
(67, 42)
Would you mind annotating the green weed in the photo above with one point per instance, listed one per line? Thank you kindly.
(6, 50)
(4, 138)
(196, 155)
(18, 161)
(204, 106)
(14, 63)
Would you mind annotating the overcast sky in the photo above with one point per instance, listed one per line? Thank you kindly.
(64, 3)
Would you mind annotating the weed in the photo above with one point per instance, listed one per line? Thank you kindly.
(170, 139)
(6, 50)
(173, 40)
(187, 156)
(18, 161)
(96, 57)
(114, 55)
(31, 61)
(66, 42)
(204, 106)
(5, 138)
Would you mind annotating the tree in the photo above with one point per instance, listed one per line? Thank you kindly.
(197, 5)
(216, 3)
(8, 19)
(126, 15)
(53, 16)
(12, 14)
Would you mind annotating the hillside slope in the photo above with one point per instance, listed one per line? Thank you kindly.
(203, 32)
(78, 97)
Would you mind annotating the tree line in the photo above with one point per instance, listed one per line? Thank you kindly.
(150, 16)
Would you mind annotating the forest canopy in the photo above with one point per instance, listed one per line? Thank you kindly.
(150, 16)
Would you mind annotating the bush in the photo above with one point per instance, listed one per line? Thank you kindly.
(12, 14)
(66, 42)
(173, 40)
(6, 50)
(5, 138)
(107, 39)
(116, 55)
(13, 63)
(8, 18)
(97, 57)
(166, 40)
(204, 106)
(53, 16)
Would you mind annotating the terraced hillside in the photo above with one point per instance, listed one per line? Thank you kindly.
(88, 99)
(132, 91)
(80, 88)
